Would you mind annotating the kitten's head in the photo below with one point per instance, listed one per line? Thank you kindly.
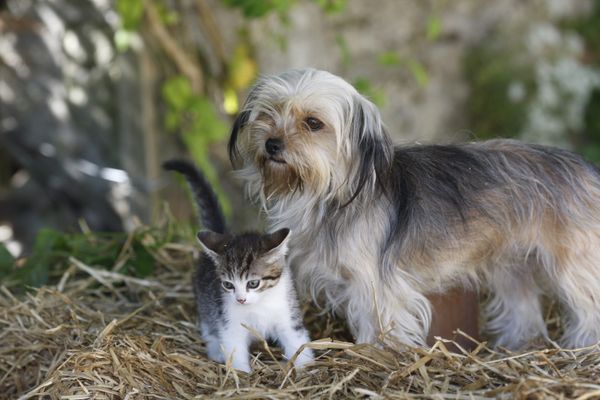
(247, 264)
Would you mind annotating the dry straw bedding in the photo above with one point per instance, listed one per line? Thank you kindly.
(99, 334)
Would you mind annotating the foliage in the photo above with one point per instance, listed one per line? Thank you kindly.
(544, 88)
(491, 73)
(190, 111)
(260, 8)
(6, 261)
(389, 59)
(344, 50)
(419, 72)
(365, 87)
(332, 6)
(589, 28)
(131, 253)
(131, 12)
(434, 27)
(591, 144)
(196, 117)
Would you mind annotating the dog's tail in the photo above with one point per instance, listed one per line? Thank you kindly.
(211, 215)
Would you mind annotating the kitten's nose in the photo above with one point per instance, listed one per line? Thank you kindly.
(274, 146)
(241, 301)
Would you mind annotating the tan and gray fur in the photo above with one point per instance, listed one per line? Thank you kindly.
(377, 227)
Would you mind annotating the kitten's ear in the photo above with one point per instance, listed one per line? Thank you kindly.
(276, 244)
(213, 243)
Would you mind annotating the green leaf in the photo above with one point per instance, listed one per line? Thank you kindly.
(434, 27)
(166, 15)
(490, 70)
(344, 50)
(591, 117)
(591, 153)
(332, 6)
(200, 124)
(365, 87)
(177, 92)
(419, 72)
(7, 262)
(172, 120)
(131, 12)
(260, 8)
(389, 59)
(99, 249)
(142, 262)
(36, 270)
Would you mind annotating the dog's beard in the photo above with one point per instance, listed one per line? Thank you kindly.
(279, 178)
(308, 177)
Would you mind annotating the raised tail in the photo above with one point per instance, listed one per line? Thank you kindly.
(211, 215)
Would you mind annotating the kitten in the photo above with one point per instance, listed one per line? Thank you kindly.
(241, 280)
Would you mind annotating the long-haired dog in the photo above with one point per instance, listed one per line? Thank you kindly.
(378, 227)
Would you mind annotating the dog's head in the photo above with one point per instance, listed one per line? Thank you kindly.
(309, 131)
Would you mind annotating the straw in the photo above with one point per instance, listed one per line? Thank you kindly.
(99, 334)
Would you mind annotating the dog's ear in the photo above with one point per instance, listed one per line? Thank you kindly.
(238, 124)
(241, 120)
(373, 145)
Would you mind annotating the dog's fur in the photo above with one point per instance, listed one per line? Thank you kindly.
(378, 227)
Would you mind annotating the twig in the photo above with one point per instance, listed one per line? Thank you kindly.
(212, 30)
(185, 64)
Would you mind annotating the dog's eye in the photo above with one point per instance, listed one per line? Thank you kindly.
(313, 124)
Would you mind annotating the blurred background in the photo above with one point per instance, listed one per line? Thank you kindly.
(95, 94)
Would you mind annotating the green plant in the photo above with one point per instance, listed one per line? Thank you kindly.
(260, 8)
(132, 253)
(492, 72)
(589, 29)
(364, 86)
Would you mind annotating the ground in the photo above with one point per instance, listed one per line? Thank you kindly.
(101, 334)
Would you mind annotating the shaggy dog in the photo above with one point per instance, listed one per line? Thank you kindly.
(377, 227)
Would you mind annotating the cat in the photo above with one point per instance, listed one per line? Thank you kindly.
(241, 279)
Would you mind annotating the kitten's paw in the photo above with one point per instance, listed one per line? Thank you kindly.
(306, 357)
(215, 354)
(242, 366)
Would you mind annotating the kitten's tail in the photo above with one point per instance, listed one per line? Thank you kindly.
(211, 215)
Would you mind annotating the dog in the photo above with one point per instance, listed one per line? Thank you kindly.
(378, 227)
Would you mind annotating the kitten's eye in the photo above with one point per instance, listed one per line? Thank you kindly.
(313, 124)
(227, 285)
(253, 284)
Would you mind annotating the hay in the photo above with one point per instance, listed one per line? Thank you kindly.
(99, 334)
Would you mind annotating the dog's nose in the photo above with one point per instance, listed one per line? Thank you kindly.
(274, 146)
(241, 301)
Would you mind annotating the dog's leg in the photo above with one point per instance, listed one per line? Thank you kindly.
(514, 313)
(578, 285)
(395, 309)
